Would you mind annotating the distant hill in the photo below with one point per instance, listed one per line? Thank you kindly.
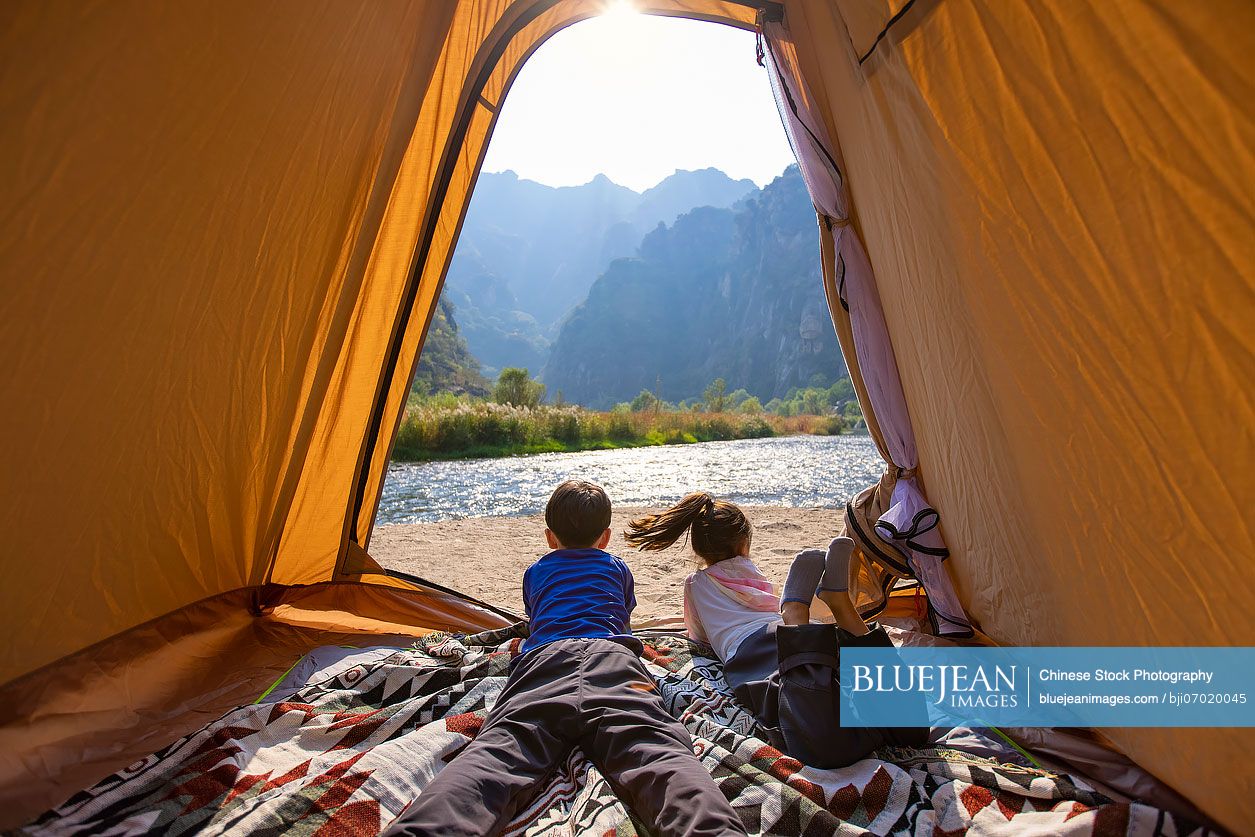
(686, 190)
(446, 365)
(491, 319)
(528, 253)
(732, 293)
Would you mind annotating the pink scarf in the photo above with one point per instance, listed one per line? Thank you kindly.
(743, 583)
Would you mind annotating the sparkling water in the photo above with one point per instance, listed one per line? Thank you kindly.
(797, 471)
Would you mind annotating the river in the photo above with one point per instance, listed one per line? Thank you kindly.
(793, 471)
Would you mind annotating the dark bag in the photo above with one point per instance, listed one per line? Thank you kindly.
(799, 706)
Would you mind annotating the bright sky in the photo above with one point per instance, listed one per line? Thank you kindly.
(635, 97)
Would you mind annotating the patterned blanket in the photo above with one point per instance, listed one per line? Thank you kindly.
(345, 755)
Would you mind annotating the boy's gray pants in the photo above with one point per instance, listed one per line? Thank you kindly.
(589, 693)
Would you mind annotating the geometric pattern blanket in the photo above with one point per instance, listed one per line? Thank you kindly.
(346, 755)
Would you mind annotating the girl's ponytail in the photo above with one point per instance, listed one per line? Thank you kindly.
(718, 529)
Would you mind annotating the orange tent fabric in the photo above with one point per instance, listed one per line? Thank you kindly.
(1057, 202)
(224, 232)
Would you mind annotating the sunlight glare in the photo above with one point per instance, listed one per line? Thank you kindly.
(655, 94)
(621, 10)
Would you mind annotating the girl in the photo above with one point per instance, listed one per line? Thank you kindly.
(779, 666)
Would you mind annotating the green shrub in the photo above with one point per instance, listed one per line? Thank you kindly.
(619, 426)
(755, 428)
(833, 425)
(717, 429)
(562, 425)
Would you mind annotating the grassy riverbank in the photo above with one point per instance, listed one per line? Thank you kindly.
(469, 429)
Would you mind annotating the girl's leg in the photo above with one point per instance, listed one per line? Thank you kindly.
(838, 601)
(795, 613)
(834, 586)
(902, 736)
(799, 587)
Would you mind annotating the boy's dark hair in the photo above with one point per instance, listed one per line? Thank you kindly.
(577, 513)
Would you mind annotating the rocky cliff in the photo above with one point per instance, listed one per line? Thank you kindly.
(732, 293)
(528, 253)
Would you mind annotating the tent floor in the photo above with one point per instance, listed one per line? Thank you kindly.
(68, 724)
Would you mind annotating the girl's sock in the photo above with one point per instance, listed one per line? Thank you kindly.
(837, 565)
(804, 575)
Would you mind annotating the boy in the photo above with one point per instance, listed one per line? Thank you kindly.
(579, 682)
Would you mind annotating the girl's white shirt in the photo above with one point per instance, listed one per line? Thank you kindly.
(719, 620)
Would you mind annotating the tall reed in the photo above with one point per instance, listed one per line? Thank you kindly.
(460, 428)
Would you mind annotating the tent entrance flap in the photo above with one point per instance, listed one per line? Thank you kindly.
(500, 57)
(472, 98)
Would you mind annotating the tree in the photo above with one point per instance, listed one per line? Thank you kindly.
(840, 392)
(716, 395)
(784, 409)
(737, 398)
(644, 402)
(750, 406)
(814, 402)
(516, 387)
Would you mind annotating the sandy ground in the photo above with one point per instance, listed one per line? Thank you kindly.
(485, 556)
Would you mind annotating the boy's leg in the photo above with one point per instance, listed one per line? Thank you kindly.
(645, 753)
(528, 732)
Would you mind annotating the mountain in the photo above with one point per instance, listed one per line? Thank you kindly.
(446, 365)
(491, 320)
(732, 293)
(528, 253)
(687, 190)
